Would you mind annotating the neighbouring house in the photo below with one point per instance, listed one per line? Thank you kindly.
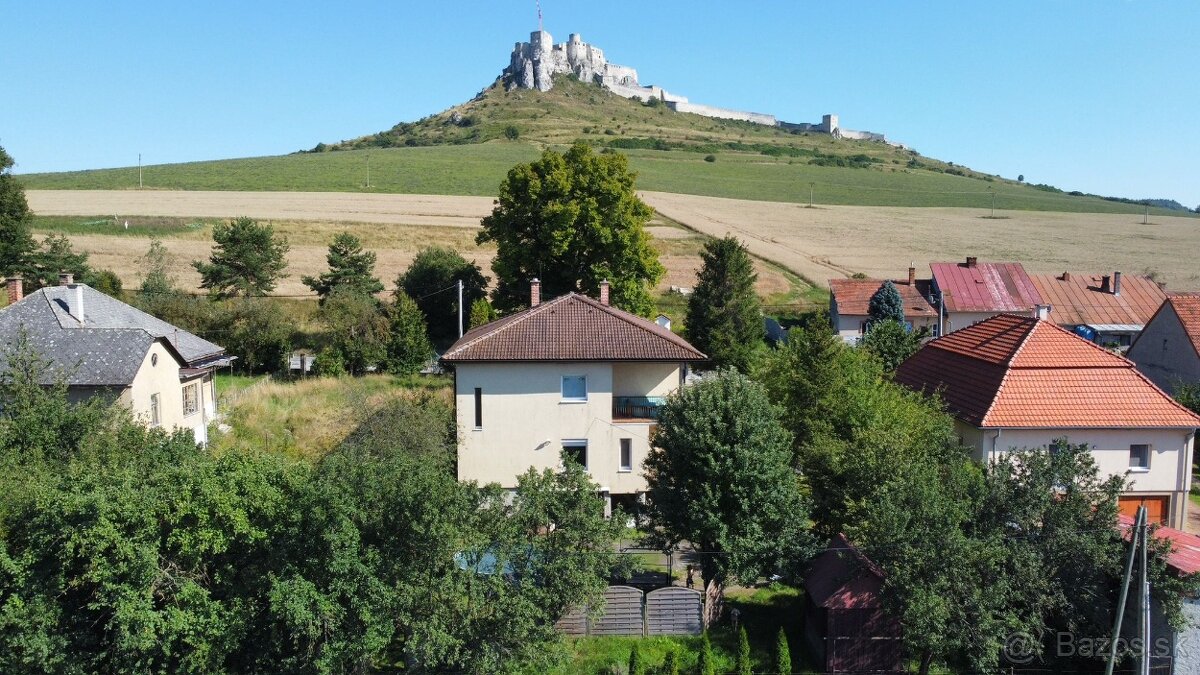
(1173, 650)
(845, 627)
(1108, 309)
(1020, 382)
(1168, 350)
(101, 346)
(571, 379)
(971, 291)
(850, 300)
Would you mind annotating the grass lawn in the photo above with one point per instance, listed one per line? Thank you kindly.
(763, 612)
(304, 419)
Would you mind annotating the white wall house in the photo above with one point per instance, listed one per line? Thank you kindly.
(1015, 382)
(850, 301)
(571, 379)
(1168, 349)
(101, 346)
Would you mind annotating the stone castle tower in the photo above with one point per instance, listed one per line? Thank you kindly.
(535, 63)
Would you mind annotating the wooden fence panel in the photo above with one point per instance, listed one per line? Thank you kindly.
(674, 611)
(574, 622)
(623, 613)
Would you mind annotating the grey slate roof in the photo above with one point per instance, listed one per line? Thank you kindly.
(107, 350)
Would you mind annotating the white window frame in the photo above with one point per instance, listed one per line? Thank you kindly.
(622, 445)
(563, 389)
(155, 410)
(194, 387)
(575, 443)
(1141, 468)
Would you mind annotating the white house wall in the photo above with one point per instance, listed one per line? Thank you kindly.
(525, 420)
(1164, 352)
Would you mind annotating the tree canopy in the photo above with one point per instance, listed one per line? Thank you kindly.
(724, 318)
(350, 268)
(886, 304)
(247, 260)
(433, 271)
(722, 480)
(408, 348)
(16, 241)
(892, 342)
(572, 220)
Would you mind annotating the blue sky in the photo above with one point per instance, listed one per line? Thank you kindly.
(1093, 95)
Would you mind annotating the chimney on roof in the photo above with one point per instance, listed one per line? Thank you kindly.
(66, 279)
(535, 293)
(1116, 283)
(912, 274)
(604, 292)
(16, 289)
(972, 261)
(1066, 276)
(79, 302)
(1041, 312)
(1105, 284)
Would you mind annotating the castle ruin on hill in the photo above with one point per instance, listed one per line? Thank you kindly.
(535, 63)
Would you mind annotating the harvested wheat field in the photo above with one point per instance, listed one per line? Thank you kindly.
(832, 241)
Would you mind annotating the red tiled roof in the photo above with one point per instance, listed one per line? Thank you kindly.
(853, 296)
(1185, 548)
(1078, 300)
(841, 577)
(985, 287)
(571, 327)
(1018, 372)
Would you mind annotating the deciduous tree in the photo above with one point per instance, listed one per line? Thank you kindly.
(350, 269)
(247, 259)
(429, 281)
(572, 220)
(892, 342)
(724, 317)
(408, 348)
(357, 328)
(721, 480)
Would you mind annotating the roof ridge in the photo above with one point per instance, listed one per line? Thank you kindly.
(648, 326)
(1126, 363)
(514, 320)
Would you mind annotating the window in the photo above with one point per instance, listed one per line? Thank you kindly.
(575, 451)
(478, 408)
(626, 454)
(191, 399)
(574, 388)
(1139, 457)
(155, 418)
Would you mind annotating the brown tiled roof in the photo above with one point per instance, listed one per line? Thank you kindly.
(853, 296)
(1078, 300)
(572, 327)
(1187, 308)
(985, 287)
(1018, 372)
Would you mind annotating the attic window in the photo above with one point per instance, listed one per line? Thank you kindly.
(154, 359)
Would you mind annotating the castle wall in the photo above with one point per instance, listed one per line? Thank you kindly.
(723, 113)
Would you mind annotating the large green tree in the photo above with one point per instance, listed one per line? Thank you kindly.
(892, 342)
(724, 317)
(247, 260)
(429, 281)
(16, 241)
(350, 268)
(721, 480)
(572, 220)
(408, 347)
(357, 330)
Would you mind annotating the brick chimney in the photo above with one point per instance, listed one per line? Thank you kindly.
(66, 279)
(16, 289)
(912, 275)
(535, 293)
(972, 261)
(1105, 284)
(1116, 283)
(604, 292)
(1066, 276)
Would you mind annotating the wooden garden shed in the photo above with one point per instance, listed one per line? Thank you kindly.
(845, 627)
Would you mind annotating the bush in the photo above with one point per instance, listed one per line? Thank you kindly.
(710, 158)
(511, 132)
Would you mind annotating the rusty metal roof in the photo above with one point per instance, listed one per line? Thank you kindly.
(1077, 298)
(985, 287)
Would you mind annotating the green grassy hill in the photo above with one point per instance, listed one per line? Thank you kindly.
(466, 150)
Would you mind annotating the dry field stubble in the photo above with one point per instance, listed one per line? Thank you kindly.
(402, 225)
(832, 241)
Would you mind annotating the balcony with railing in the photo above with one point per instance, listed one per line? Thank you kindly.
(628, 408)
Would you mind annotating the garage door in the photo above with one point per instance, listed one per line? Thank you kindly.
(1157, 508)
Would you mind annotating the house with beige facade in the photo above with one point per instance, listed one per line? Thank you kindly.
(572, 379)
(1168, 349)
(103, 347)
(850, 302)
(1014, 382)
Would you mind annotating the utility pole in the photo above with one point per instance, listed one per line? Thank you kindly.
(810, 194)
(460, 308)
(139, 171)
(368, 171)
(1145, 598)
(1146, 215)
(1134, 535)
(993, 201)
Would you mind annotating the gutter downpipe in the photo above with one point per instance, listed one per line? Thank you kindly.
(995, 441)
